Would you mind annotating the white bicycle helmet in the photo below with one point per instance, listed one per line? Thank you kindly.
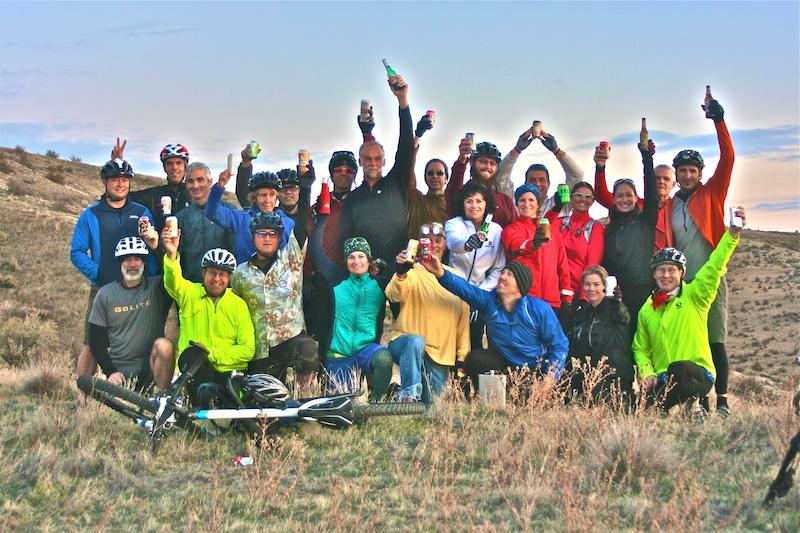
(266, 389)
(131, 246)
(219, 258)
(668, 256)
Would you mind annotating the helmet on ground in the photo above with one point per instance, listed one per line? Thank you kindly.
(288, 177)
(261, 180)
(688, 157)
(343, 158)
(116, 168)
(175, 150)
(486, 149)
(668, 256)
(219, 258)
(266, 390)
(131, 246)
(266, 220)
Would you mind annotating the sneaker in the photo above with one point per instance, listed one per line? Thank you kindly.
(723, 411)
(695, 412)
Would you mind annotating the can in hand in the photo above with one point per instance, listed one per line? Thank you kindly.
(166, 205)
(144, 225)
(432, 116)
(563, 192)
(172, 224)
(545, 225)
(425, 248)
(537, 128)
(471, 138)
(364, 114)
(230, 163)
(606, 147)
(254, 149)
(303, 158)
(411, 250)
(611, 284)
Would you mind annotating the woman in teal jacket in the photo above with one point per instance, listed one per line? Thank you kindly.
(358, 310)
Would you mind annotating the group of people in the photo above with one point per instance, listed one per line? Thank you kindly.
(479, 275)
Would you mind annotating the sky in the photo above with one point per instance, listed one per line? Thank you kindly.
(213, 76)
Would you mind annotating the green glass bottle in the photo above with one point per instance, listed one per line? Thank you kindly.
(389, 72)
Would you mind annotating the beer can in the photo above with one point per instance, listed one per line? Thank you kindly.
(432, 116)
(254, 148)
(411, 250)
(230, 163)
(166, 204)
(736, 220)
(471, 138)
(563, 192)
(611, 284)
(365, 105)
(144, 224)
(303, 158)
(172, 224)
(537, 128)
(545, 224)
(424, 248)
(244, 460)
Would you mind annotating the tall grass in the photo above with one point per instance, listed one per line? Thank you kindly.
(534, 465)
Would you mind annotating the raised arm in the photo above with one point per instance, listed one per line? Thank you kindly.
(456, 182)
(721, 178)
(243, 175)
(503, 177)
(601, 192)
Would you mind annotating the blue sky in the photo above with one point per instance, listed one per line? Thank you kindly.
(290, 75)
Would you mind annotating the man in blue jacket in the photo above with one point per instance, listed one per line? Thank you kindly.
(523, 330)
(100, 227)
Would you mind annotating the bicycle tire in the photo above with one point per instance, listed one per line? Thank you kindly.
(362, 411)
(114, 396)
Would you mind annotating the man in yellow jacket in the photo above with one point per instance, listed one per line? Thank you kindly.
(671, 343)
(210, 313)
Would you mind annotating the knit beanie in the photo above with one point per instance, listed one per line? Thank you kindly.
(527, 188)
(522, 274)
(357, 244)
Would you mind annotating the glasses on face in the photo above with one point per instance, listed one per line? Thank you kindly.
(434, 228)
(435, 173)
(669, 269)
(344, 170)
(584, 195)
(287, 188)
(266, 233)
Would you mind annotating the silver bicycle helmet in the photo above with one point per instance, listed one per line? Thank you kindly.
(219, 258)
(668, 256)
(266, 389)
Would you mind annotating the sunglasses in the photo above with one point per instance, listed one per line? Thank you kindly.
(434, 228)
(435, 173)
(344, 170)
(587, 196)
(266, 233)
(624, 180)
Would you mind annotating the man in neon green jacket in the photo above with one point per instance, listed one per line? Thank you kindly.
(671, 343)
(210, 313)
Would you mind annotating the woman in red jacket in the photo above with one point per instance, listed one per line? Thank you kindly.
(525, 241)
(584, 237)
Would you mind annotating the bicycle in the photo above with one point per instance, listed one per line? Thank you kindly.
(784, 480)
(160, 414)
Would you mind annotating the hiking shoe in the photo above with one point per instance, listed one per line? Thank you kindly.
(723, 411)
(695, 412)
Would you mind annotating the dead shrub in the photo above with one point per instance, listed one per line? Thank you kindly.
(27, 340)
(5, 166)
(55, 175)
(52, 153)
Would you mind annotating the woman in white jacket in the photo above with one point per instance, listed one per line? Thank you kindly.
(478, 257)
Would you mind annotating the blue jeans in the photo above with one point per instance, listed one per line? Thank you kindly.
(408, 352)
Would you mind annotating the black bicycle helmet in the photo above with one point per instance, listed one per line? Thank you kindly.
(219, 258)
(486, 149)
(116, 168)
(288, 177)
(262, 180)
(688, 157)
(265, 390)
(266, 220)
(343, 159)
(668, 256)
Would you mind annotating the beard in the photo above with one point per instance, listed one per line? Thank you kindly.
(131, 276)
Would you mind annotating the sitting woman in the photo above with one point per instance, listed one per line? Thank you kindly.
(358, 308)
(599, 332)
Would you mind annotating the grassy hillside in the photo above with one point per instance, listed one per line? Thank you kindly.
(534, 466)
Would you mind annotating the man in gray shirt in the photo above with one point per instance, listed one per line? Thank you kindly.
(126, 326)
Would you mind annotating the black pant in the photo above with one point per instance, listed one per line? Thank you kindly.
(299, 352)
(685, 381)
